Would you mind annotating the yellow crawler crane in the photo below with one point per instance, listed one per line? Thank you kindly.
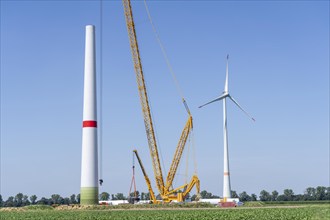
(167, 193)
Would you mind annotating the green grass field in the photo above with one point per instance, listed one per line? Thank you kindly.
(279, 212)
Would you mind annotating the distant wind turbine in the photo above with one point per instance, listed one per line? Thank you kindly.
(225, 94)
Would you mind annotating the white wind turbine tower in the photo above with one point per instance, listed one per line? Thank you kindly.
(225, 94)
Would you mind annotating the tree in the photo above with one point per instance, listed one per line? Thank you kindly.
(25, 200)
(73, 199)
(264, 196)
(143, 196)
(288, 193)
(33, 199)
(66, 201)
(299, 197)
(193, 197)
(78, 198)
(56, 199)
(327, 194)
(206, 195)
(282, 198)
(234, 194)
(215, 197)
(253, 197)
(43, 201)
(119, 196)
(132, 194)
(310, 193)
(320, 193)
(274, 195)
(10, 202)
(1, 201)
(61, 201)
(244, 197)
(147, 196)
(18, 201)
(104, 196)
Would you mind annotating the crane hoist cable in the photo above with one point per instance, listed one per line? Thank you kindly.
(187, 161)
(155, 130)
(166, 58)
(194, 153)
(174, 78)
(101, 99)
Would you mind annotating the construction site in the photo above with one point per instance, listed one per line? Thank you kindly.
(167, 191)
(141, 109)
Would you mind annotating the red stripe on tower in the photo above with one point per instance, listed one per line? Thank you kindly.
(90, 124)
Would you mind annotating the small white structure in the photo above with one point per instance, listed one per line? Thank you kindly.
(112, 202)
(218, 200)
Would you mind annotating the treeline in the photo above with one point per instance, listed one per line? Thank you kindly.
(23, 200)
(310, 194)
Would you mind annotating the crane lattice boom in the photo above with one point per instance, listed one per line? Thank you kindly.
(178, 153)
(151, 192)
(143, 96)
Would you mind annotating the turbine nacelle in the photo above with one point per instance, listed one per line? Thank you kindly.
(226, 94)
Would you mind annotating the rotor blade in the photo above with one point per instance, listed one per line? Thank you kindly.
(217, 99)
(241, 107)
(226, 82)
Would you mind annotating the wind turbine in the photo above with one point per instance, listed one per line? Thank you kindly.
(225, 94)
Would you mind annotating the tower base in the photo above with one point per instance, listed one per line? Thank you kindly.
(89, 196)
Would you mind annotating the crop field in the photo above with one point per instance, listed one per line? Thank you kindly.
(298, 212)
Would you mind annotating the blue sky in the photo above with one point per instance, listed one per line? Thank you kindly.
(279, 72)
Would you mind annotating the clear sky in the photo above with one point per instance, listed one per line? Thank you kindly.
(278, 71)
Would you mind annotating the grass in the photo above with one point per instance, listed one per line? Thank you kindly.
(297, 202)
(308, 212)
(285, 203)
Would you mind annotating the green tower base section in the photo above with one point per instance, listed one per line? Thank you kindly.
(89, 196)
